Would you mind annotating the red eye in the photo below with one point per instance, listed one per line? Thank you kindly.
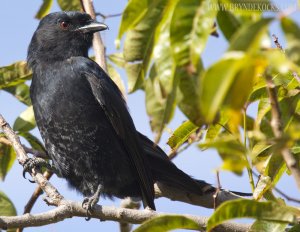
(64, 25)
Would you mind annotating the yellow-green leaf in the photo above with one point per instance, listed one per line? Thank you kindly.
(264, 183)
(69, 5)
(115, 76)
(216, 83)
(26, 121)
(242, 208)
(191, 25)
(21, 92)
(44, 9)
(117, 59)
(292, 35)
(133, 13)
(161, 85)
(187, 95)
(160, 103)
(138, 44)
(135, 75)
(249, 36)
(7, 208)
(167, 223)
(7, 158)
(266, 226)
(228, 23)
(231, 150)
(14, 74)
(34, 142)
(181, 134)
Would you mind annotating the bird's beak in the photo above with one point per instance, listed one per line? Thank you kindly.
(94, 26)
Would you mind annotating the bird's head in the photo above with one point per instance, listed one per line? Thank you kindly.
(62, 35)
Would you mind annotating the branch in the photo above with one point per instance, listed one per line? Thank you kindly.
(70, 209)
(22, 157)
(128, 203)
(35, 195)
(98, 45)
(276, 124)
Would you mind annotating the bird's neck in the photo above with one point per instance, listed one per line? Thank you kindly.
(47, 55)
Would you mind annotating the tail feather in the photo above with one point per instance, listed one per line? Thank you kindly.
(169, 176)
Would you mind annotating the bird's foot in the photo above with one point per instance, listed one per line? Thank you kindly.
(89, 202)
(33, 163)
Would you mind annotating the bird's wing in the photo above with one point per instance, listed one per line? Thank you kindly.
(112, 102)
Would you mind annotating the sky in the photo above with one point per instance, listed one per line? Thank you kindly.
(18, 24)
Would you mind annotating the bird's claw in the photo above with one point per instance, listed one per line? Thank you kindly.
(88, 203)
(32, 163)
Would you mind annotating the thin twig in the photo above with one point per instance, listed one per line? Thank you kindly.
(108, 16)
(276, 124)
(218, 189)
(278, 45)
(98, 45)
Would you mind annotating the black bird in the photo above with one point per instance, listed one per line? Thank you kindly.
(84, 121)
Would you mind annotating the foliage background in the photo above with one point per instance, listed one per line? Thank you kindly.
(18, 24)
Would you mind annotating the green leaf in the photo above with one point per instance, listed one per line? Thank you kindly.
(21, 92)
(69, 5)
(7, 158)
(248, 37)
(292, 35)
(242, 208)
(133, 13)
(34, 142)
(181, 134)
(266, 226)
(14, 74)
(168, 222)
(26, 121)
(216, 83)
(228, 23)
(191, 25)
(7, 208)
(115, 76)
(44, 9)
